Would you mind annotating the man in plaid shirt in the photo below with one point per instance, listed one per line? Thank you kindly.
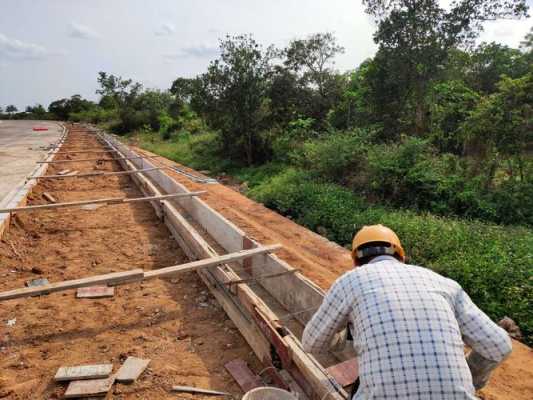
(408, 326)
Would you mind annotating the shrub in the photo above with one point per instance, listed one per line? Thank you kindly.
(335, 157)
(492, 263)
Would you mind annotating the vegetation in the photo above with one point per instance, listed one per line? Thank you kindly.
(431, 136)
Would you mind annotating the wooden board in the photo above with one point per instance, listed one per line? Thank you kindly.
(191, 389)
(81, 372)
(89, 388)
(109, 200)
(243, 375)
(132, 368)
(209, 262)
(346, 372)
(113, 278)
(49, 197)
(95, 292)
(119, 278)
(88, 159)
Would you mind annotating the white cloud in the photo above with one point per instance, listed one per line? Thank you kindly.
(79, 31)
(198, 51)
(166, 29)
(14, 49)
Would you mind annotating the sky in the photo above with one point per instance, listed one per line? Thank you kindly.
(51, 49)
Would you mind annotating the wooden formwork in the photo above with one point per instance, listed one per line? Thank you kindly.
(257, 309)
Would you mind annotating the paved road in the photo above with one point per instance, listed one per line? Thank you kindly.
(20, 149)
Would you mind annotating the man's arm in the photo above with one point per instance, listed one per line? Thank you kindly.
(490, 344)
(331, 317)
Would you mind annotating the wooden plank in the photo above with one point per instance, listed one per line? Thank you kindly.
(99, 174)
(49, 197)
(95, 292)
(346, 372)
(63, 172)
(209, 262)
(89, 388)
(192, 389)
(90, 159)
(132, 368)
(81, 372)
(109, 200)
(313, 373)
(72, 173)
(86, 151)
(243, 375)
(114, 278)
(118, 278)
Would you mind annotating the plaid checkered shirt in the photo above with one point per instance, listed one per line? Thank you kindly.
(409, 324)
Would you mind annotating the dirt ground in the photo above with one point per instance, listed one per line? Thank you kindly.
(323, 261)
(175, 323)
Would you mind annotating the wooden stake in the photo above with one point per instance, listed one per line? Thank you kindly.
(93, 159)
(110, 200)
(136, 275)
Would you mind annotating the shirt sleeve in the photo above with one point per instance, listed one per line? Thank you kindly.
(479, 332)
(331, 317)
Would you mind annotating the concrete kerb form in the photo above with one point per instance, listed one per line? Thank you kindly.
(19, 195)
(293, 291)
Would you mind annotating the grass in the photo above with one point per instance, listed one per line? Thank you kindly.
(493, 263)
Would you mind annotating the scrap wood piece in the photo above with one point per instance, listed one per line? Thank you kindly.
(49, 197)
(95, 292)
(243, 375)
(63, 172)
(72, 173)
(83, 372)
(89, 388)
(132, 368)
(192, 389)
(346, 372)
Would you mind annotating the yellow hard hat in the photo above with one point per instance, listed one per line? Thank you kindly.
(377, 234)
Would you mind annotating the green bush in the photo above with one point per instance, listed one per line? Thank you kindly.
(337, 157)
(492, 263)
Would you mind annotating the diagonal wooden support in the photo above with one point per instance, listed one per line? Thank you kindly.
(87, 151)
(98, 173)
(110, 200)
(93, 159)
(136, 275)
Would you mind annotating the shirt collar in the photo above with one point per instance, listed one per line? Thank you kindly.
(382, 258)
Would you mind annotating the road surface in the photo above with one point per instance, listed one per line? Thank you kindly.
(20, 148)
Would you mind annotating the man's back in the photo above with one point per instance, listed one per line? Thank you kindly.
(407, 327)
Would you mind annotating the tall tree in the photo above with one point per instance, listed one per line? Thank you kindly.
(10, 109)
(417, 35)
(234, 88)
(312, 60)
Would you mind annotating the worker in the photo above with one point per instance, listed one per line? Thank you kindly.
(408, 325)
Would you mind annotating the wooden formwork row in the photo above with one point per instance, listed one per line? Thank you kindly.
(202, 232)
